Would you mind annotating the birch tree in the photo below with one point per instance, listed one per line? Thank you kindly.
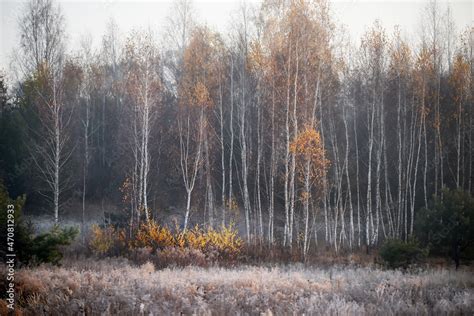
(196, 95)
(42, 56)
(143, 87)
(312, 166)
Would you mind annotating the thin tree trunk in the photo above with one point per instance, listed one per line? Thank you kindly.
(231, 154)
(359, 228)
(209, 191)
(425, 191)
(259, 158)
(369, 175)
(188, 209)
(293, 156)
(400, 149)
(349, 189)
(412, 210)
(306, 208)
(223, 171)
(287, 154)
(272, 172)
(85, 167)
(243, 156)
(57, 153)
(458, 144)
(146, 136)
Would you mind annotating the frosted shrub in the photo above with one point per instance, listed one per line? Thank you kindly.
(181, 257)
(148, 267)
(107, 240)
(141, 255)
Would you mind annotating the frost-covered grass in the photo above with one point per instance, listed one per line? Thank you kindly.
(114, 286)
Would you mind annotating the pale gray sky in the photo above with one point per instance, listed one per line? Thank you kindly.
(92, 15)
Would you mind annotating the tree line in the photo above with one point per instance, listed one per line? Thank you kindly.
(281, 124)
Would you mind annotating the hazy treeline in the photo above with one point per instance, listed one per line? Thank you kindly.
(281, 123)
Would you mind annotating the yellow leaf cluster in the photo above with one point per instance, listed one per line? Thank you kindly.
(256, 60)
(460, 78)
(103, 239)
(153, 235)
(126, 189)
(224, 240)
(201, 95)
(309, 152)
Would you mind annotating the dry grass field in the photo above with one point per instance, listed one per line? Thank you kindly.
(117, 287)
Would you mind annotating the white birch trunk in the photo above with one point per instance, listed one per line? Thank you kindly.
(231, 154)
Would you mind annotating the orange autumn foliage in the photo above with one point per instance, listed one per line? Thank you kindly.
(309, 152)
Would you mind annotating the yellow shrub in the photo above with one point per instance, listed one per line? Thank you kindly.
(225, 240)
(196, 238)
(108, 239)
(102, 239)
(153, 235)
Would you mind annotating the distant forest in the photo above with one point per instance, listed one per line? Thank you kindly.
(282, 125)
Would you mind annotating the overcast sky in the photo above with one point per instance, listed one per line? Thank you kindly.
(91, 17)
